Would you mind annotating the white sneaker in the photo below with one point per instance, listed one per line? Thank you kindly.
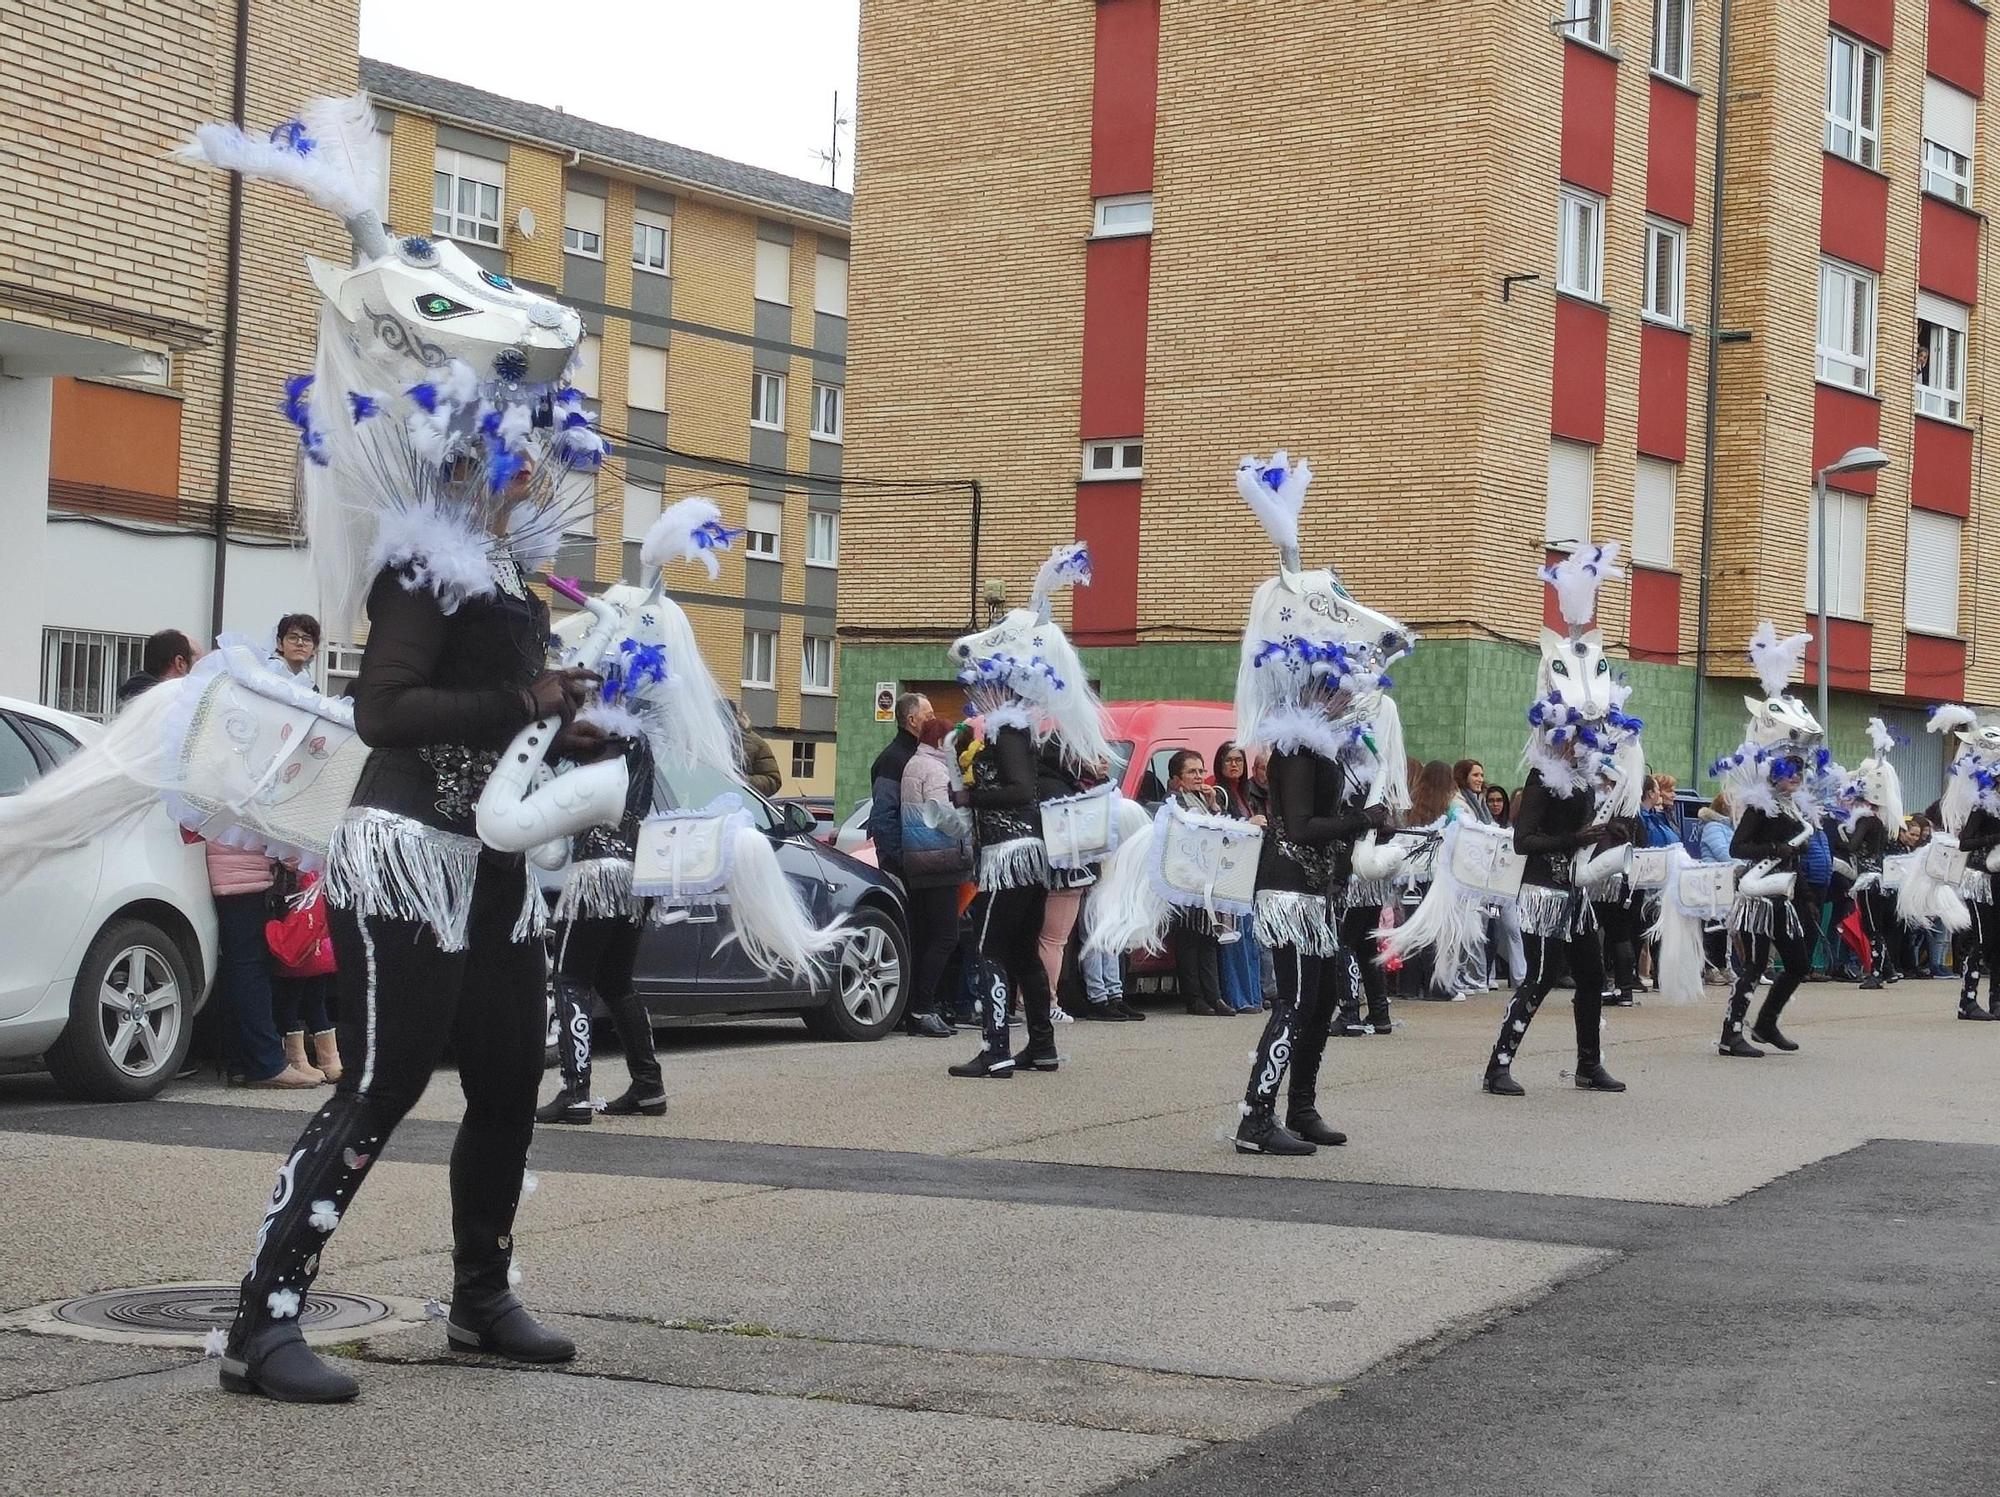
(1057, 1015)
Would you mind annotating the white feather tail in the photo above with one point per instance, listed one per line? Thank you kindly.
(1923, 899)
(1125, 911)
(775, 930)
(1450, 922)
(1681, 961)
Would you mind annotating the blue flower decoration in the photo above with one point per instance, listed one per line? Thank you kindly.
(510, 364)
(425, 395)
(292, 136)
(362, 406)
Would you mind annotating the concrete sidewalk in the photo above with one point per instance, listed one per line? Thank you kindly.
(831, 1269)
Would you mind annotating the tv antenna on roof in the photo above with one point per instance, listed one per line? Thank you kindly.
(830, 158)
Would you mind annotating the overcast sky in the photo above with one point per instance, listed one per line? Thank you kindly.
(752, 80)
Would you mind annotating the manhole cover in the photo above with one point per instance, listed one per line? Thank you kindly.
(192, 1309)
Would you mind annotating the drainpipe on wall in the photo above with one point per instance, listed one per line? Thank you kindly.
(1702, 582)
(232, 274)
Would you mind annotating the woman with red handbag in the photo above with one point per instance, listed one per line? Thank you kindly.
(302, 955)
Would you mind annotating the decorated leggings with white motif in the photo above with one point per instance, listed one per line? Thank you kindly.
(1010, 930)
(1795, 949)
(1982, 951)
(1586, 970)
(1300, 1018)
(402, 999)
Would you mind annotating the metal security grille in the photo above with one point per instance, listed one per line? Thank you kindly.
(82, 669)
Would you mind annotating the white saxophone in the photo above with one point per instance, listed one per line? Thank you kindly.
(525, 807)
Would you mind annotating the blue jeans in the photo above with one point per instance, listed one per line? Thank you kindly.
(1102, 980)
(1240, 971)
(243, 982)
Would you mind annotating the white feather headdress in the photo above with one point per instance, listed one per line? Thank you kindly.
(1068, 566)
(330, 152)
(689, 529)
(1950, 718)
(1577, 578)
(1276, 493)
(1776, 660)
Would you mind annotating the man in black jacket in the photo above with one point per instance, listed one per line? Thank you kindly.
(168, 656)
(885, 781)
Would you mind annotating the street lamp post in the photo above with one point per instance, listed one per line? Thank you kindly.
(1854, 460)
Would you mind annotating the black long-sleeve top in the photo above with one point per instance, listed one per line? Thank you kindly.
(1548, 830)
(1761, 835)
(439, 695)
(1867, 843)
(1004, 791)
(1980, 834)
(1316, 816)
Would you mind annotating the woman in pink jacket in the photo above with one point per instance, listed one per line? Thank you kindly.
(241, 883)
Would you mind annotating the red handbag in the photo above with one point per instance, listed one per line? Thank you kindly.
(300, 942)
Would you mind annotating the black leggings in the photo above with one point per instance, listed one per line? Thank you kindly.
(597, 956)
(1010, 930)
(1310, 989)
(1365, 977)
(934, 934)
(1620, 924)
(1878, 923)
(1586, 967)
(400, 1004)
(1982, 951)
(1794, 947)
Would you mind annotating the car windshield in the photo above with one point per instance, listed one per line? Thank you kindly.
(1121, 755)
(691, 787)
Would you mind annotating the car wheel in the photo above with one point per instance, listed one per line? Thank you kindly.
(870, 983)
(131, 1016)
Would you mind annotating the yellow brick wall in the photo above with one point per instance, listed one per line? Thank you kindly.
(1980, 558)
(412, 160)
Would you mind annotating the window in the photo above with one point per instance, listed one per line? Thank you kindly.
(830, 285)
(1951, 116)
(1653, 513)
(774, 272)
(1940, 357)
(1566, 521)
(805, 759)
(646, 378)
(816, 664)
(1930, 590)
(465, 197)
(1666, 271)
(57, 744)
(1124, 458)
(1853, 100)
(652, 242)
(642, 508)
(1846, 326)
(760, 657)
(767, 400)
(765, 524)
(829, 402)
(583, 365)
(1130, 214)
(1846, 553)
(343, 664)
(1588, 20)
(1671, 26)
(822, 538)
(18, 766)
(1580, 245)
(583, 224)
(82, 669)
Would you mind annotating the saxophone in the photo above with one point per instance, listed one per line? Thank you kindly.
(525, 807)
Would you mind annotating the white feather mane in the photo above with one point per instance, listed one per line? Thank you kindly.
(1776, 660)
(1577, 578)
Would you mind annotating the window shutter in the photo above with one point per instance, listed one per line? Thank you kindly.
(1677, 38)
(1567, 519)
(1951, 116)
(1653, 513)
(1871, 104)
(1930, 597)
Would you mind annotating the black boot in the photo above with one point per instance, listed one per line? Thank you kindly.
(1039, 1053)
(638, 1101)
(1499, 1081)
(1590, 1073)
(1968, 1004)
(987, 1064)
(1261, 1133)
(647, 1095)
(565, 1108)
(1499, 1077)
(502, 1327)
(1732, 1042)
(573, 1036)
(1766, 1032)
(926, 1026)
(1310, 1126)
(276, 1363)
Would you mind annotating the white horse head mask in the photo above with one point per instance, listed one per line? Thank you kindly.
(1023, 671)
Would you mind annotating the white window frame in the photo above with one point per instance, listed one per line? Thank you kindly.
(1570, 501)
(1580, 224)
(822, 523)
(767, 276)
(341, 664)
(760, 648)
(1654, 486)
(764, 541)
(1942, 326)
(1951, 127)
(816, 649)
(461, 166)
(1847, 548)
(581, 237)
(1123, 215)
(1666, 304)
(829, 398)
(1587, 21)
(1120, 458)
(648, 228)
(639, 356)
(1854, 292)
(767, 393)
(1668, 61)
(1932, 562)
(1853, 130)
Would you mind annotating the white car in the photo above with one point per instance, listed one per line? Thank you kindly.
(106, 951)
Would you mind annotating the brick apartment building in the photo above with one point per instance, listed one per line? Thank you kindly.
(714, 296)
(1461, 257)
(113, 273)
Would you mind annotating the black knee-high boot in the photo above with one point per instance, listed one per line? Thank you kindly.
(572, 1104)
(265, 1351)
(1521, 1010)
(1260, 1132)
(1590, 1073)
(1317, 1013)
(488, 1160)
(1733, 1041)
(647, 1094)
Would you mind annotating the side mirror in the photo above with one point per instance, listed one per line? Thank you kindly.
(798, 821)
